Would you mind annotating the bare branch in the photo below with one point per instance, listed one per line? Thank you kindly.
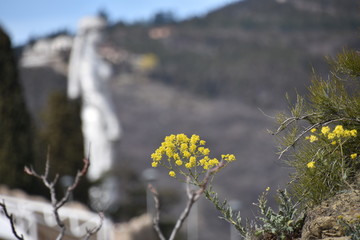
(297, 138)
(90, 232)
(47, 164)
(290, 120)
(72, 187)
(209, 173)
(57, 204)
(193, 196)
(12, 222)
(156, 218)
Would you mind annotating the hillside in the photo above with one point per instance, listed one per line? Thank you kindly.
(244, 49)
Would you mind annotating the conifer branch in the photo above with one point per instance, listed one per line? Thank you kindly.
(290, 120)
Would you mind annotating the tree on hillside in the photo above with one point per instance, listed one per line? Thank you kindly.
(61, 135)
(16, 147)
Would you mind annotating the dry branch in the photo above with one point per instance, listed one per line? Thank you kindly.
(12, 221)
(57, 204)
(193, 196)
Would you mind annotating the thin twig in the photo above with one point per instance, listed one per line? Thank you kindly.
(193, 196)
(289, 121)
(56, 204)
(12, 222)
(72, 187)
(90, 232)
(324, 123)
(298, 137)
(156, 218)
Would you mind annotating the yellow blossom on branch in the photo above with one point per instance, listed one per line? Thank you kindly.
(229, 157)
(325, 130)
(339, 130)
(353, 156)
(311, 164)
(331, 136)
(338, 133)
(353, 133)
(187, 156)
(313, 138)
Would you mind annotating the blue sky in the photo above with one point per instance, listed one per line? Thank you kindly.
(25, 18)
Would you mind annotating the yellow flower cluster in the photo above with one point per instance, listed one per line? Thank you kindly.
(180, 152)
(337, 133)
(335, 136)
(172, 174)
(311, 164)
(228, 157)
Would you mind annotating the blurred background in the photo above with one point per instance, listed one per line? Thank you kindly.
(219, 69)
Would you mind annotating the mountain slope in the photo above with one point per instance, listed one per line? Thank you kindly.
(252, 50)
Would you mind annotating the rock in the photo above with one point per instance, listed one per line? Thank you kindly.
(323, 221)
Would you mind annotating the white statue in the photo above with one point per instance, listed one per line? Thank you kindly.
(88, 76)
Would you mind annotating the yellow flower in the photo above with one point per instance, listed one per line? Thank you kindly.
(169, 152)
(213, 162)
(183, 147)
(353, 133)
(331, 136)
(353, 156)
(267, 189)
(311, 164)
(192, 148)
(313, 130)
(194, 139)
(347, 133)
(228, 157)
(333, 142)
(313, 138)
(182, 138)
(231, 158)
(186, 154)
(206, 151)
(325, 130)
(170, 138)
(339, 130)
